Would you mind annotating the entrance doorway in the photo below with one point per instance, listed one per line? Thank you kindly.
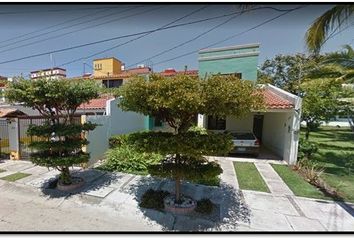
(258, 126)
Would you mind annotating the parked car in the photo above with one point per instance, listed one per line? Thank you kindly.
(245, 142)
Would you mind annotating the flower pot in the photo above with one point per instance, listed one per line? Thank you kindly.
(186, 206)
(77, 182)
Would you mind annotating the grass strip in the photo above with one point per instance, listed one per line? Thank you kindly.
(249, 178)
(298, 185)
(16, 176)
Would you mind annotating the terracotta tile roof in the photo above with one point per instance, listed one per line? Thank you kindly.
(139, 70)
(173, 72)
(10, 112)
(274, 101)
(98, 103)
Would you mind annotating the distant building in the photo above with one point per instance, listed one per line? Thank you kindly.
(2, 88)
(111, 72)
(51, 73)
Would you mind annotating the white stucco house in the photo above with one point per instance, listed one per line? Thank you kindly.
(278, 127)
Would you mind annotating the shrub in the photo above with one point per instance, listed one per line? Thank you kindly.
(311, 173)
(209, 181)
(307, 149)
(197, 129)
(204, 206)
(153, 199)
(117, 140)
(127, 159)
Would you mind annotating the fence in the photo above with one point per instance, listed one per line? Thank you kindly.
(4, 139)
(24, 139)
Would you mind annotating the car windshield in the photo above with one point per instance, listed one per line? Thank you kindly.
(243, 136)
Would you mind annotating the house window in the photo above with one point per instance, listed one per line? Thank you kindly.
(98, 66)
(236, 74)
(157, 122)
(216, 123)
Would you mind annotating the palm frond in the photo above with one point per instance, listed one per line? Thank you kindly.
(331, 20)
(343, 59)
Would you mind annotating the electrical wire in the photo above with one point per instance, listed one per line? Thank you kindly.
(77, 30)
(52, 26)
(134, 39)
(128, 35)
(230, 37)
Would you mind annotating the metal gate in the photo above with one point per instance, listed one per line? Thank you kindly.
(25, 140)
(4, 139)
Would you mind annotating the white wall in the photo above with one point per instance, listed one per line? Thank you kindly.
(115, 122)
(123, 122)
(98, 138)
(277, 128)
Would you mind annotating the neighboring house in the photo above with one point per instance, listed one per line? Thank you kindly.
(50, 73)
(277, 127)
(111, 72)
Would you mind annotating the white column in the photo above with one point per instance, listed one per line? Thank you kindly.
(14, 139)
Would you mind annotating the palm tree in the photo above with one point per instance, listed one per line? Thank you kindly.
(322, 27)
(345, 61)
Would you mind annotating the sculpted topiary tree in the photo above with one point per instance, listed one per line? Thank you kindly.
(56, 100)
(177, 101)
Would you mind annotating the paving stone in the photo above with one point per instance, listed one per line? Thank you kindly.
(2, 182)
(101, 192)
(269, 221)
(274, 182)
(6, 173)
(185, 223)
(116, 197)
(18, 167)
(43, 179)
(332, 216)
(305, 224)
(36, 170)
(269, 202)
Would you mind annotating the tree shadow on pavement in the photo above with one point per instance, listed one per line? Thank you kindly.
(94, 180)
(231, 209)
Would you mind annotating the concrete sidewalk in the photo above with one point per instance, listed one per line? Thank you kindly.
(109, 202)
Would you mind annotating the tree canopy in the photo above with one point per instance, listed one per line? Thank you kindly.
(60, 140)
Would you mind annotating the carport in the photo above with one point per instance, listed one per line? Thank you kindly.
(277, 128)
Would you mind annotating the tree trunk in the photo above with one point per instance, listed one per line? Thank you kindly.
(178, 179)
(178, 190)
(307, 133)
(65, 176)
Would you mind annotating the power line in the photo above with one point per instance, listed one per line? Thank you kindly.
(131, 35)
(134, 39)
(52, 26)
(186, 42)
(105, 50)
(77, 30)
(230, 37)
(54, 10)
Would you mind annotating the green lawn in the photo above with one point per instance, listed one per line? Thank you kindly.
(2, 170)
(249, 178)
(296, 183)
(14, 177)
(336, 146)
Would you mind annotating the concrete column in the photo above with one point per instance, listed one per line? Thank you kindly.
(200, 120)
(14, 138)
(84, 135)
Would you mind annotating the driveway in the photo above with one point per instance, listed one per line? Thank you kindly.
(110, 202)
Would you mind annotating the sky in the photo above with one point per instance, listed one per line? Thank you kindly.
(33, 29)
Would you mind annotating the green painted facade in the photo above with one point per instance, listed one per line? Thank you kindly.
(227, 60)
